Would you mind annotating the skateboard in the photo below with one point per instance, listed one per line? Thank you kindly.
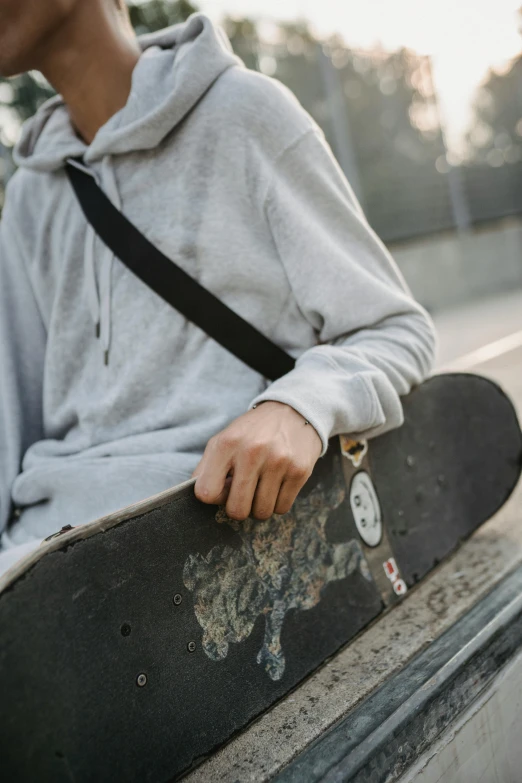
(133, 647)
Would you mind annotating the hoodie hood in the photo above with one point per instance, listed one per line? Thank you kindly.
(177, 66)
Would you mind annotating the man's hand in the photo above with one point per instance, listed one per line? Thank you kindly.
(258, 464)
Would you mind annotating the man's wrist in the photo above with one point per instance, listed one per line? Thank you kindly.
(276, 402)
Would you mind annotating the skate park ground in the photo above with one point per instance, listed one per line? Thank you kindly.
(307, 736)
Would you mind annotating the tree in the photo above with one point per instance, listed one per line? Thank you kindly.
(493, 170)
(156, 14)
(495, 136)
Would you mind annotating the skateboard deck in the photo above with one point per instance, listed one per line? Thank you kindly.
(133, 647)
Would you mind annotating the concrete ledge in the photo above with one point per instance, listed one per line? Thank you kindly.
(483, 744)
(393, 727)
(449, 269)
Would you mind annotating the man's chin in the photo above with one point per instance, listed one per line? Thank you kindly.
(8, 70)
(12, 63)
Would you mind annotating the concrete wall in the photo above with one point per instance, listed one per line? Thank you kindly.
(447, 270)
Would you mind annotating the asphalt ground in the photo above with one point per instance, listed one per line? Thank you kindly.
(485, 337)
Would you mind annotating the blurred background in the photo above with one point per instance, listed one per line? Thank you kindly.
(422, 106)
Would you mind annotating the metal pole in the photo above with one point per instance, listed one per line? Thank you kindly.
(342, 136)
(457, 193)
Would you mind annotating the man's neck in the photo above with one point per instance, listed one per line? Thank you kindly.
(89, 61)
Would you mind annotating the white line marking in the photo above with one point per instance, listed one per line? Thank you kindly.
(486, 353)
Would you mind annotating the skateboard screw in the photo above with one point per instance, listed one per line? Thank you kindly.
(410, 462)
(125, 629)
(191, 646)
(141, 680)
(177, 599)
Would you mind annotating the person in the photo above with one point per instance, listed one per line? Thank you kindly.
(108, 395)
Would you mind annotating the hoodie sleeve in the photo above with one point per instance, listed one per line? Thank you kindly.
(22, 346)
(374, 341)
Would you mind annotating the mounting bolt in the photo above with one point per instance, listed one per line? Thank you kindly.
(177, 599)
(410, 461)
(141, 680)
(191, 646)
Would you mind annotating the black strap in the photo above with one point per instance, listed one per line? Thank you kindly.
(173, 284)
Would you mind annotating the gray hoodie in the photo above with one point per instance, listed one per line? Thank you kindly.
(107, 395)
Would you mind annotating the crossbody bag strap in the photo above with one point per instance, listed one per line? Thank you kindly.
(173, 284)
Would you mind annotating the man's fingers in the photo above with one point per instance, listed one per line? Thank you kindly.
(277, 470)
(242, 489)
(261, 491)
(266, 495)
(217, 498)
(270, 456)
(287, 494)
(211, 474)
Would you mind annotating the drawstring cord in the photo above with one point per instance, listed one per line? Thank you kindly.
(107, 262)
(99, 295)
(90, 280)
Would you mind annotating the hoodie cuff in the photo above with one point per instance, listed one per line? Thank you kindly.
(330, 407)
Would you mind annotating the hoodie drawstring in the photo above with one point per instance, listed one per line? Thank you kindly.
(107, 261)
(99, 295)
(90, 279)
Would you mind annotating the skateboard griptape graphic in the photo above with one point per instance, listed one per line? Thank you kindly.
(284, 563)
(133, 647)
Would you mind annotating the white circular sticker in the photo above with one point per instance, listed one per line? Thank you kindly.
(366, 509)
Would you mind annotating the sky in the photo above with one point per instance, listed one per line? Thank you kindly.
(464, 37)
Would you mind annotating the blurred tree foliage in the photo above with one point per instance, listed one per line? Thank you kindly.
(496, 134)
(156, 14)
(493, 170)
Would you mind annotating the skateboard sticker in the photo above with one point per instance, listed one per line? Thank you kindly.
(366, 509)
(354, 450)
(392, 572)
(284, 563)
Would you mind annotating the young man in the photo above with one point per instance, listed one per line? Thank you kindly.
(107, 395)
